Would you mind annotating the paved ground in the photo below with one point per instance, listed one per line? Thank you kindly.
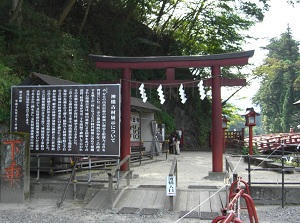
(196, 192)
(193, 171)
(195, 167)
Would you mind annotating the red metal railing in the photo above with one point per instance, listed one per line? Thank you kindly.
(273, 141)
(232, 212)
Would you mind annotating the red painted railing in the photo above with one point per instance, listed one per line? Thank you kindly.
(274, 141)
(232, 212)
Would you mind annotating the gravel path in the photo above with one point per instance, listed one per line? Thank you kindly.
(46, 211)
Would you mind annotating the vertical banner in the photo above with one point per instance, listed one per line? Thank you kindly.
(15, 167)
(69, 119)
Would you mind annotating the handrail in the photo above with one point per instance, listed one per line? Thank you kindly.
(230, 169)
(111, 174)
(173, 172)
(282, 169)
(117, 167)
(99, 164)
(150, 154)
(69, 181)
(173, 169)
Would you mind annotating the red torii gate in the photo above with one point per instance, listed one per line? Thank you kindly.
(169, 63)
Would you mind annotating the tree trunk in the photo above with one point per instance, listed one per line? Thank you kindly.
(161, 12)
(65, 12)
(85, 16)
(16, 16)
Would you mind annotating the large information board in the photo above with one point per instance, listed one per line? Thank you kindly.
(68, 119)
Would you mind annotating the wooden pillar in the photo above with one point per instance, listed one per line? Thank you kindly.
(125, 115)
(217, 151)
(250, 141)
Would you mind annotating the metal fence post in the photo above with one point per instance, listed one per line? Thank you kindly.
(110, 190)
(249, 171)
(128, 170)
(282, 175)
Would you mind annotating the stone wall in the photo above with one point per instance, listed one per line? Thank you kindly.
(272, 195)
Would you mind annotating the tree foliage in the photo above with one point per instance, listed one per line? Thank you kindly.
(7, 79)
(279, 89)
(56, 37)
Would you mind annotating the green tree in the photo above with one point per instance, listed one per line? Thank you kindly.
(7, 79)
(278, 90)
(208, 27)
(55, 38)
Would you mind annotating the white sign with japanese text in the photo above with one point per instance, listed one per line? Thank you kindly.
(171, 186)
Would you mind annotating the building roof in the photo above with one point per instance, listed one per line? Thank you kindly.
(137, 103)
(42, 79)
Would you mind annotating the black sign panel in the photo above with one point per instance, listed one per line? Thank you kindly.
(68, 119)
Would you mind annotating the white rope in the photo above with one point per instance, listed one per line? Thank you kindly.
(199, 204)
(265, 158)
(208, 197)
(237, 207)
(231, 176)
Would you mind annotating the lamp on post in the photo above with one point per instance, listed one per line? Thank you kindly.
(250, 121)
(224, 127)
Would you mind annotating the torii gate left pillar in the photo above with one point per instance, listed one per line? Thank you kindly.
(170, 63)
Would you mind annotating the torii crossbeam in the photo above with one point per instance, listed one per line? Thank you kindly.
(170, 63)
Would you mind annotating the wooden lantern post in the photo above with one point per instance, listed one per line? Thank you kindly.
(250, 121)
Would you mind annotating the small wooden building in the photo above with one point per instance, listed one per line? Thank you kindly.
(143, 127)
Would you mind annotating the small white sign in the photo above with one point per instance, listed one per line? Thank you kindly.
(171, 186)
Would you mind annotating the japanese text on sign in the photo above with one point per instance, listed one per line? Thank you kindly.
(171, 186)
(70, 119)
